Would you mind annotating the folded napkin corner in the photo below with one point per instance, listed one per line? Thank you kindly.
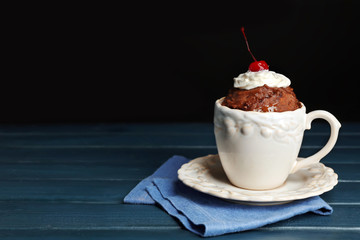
(207, 215)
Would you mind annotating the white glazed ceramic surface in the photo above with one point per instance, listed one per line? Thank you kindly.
(259, 150)
(205, 174)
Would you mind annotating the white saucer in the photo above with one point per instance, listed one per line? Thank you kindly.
(206, 174)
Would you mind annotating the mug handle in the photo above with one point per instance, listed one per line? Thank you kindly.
(334, 125)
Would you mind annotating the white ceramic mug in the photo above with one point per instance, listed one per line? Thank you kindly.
(259, 150)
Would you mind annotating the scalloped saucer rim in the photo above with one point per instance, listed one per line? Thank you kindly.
(206, 175)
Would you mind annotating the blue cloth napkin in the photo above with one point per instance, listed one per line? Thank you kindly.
(206, 215)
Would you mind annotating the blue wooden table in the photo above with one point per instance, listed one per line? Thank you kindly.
(69, 181)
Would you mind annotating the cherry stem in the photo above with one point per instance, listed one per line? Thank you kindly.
(247, 44)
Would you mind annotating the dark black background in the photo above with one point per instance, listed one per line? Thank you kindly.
(147, 62)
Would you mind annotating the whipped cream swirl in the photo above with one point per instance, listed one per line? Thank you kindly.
(251, 80)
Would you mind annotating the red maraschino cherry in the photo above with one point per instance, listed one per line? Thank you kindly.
(256, 65)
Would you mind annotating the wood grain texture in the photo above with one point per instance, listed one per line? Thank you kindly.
(120, 170)
(318, 126)
(102, 192)
(68, 181)
(153, 156)
(178, 233)
(144, 141)
(35, 215)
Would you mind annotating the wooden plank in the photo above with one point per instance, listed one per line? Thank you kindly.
(348, 212)
(97, 155)
(258, 234)
(60, 182)
(346, 172)
(154, 156)
(73, 172)
(178, 233)
(112, 192)
(197, 127)
(29, 215)
(121, 170)
(337, 155)
(143, 140)
(110, 128)
(344, 193)
(106, 192)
